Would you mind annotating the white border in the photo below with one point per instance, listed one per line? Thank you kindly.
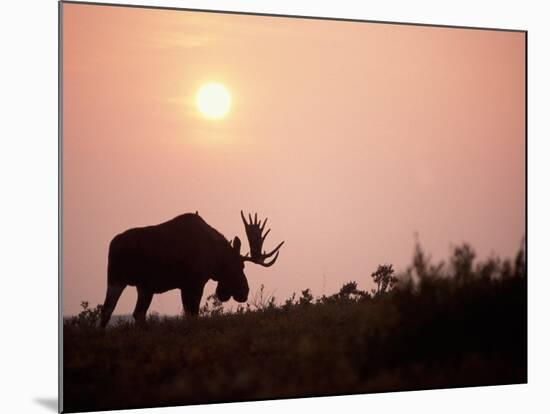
(29, 201)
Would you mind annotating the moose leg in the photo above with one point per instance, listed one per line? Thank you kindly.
(191, 300)
(111, 299)
(143, 302)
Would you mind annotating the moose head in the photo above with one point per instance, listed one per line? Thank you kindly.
(234, 282)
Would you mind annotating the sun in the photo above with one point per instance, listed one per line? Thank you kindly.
(213, 100)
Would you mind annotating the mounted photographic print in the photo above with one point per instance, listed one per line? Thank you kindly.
(261, 207)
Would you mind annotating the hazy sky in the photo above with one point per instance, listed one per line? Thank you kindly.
(350, 137)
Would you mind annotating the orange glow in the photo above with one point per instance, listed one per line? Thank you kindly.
(350, 137)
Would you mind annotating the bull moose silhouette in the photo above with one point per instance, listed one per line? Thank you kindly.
(182, 253)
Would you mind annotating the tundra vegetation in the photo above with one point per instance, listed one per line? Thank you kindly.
(457, 323)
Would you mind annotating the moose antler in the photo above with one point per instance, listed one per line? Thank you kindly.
(254, 229)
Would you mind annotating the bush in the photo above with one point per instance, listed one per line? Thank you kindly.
(384, 279)
(454, 324)
(87, 318)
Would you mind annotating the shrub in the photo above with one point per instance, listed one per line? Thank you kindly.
(262, 300)
(212, 306)
(384, 279)
(88, 317)
(306, 298)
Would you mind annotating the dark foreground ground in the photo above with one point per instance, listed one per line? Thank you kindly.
(467, 330)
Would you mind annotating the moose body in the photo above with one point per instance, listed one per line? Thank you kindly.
(182, 253)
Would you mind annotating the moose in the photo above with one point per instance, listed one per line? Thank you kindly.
(182, 253)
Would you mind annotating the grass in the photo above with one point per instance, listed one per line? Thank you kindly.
(447, 325)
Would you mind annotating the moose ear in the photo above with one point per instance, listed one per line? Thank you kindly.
(237, 245)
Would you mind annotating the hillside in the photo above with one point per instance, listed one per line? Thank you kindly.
(449, 325)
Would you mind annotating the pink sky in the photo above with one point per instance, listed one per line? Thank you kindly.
(350, 137)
